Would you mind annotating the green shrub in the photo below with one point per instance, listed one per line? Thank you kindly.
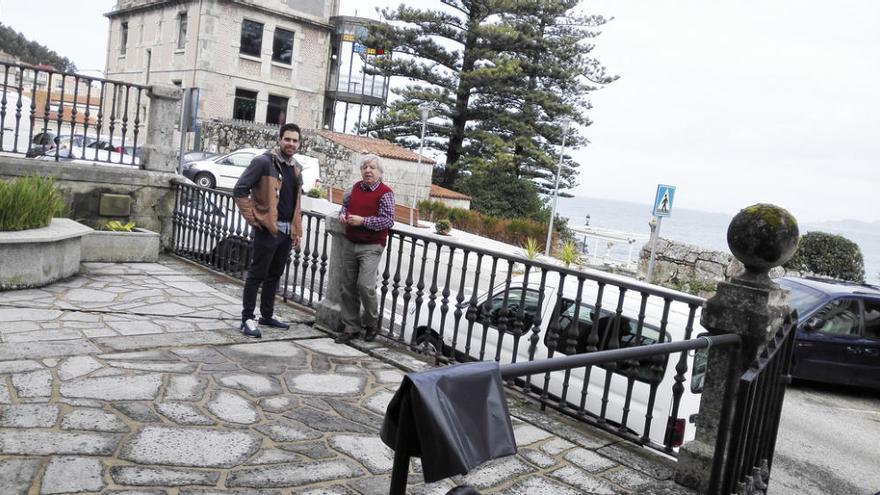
(828, 255)
(117, 226)
(443, 227)
(569, 253)
(532, 248)
(315, 192)
(29, 203)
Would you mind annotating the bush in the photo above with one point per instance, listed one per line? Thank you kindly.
(29, 203)
(569, 253)
(443, 227)
(117, 226)
(828, 255)
(512, 231)
(315, 192)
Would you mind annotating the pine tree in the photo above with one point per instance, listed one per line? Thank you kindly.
(500, 75)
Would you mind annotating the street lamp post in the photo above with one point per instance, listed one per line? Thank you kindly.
(425, 112)
(566, 123)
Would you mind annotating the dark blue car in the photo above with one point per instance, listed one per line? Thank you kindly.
(838, 335)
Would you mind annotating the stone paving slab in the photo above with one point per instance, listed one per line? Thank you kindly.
(132, 379)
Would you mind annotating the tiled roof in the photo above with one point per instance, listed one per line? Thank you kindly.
(381, 147)
(442, 192)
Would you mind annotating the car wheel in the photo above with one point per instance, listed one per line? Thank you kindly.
(232, 254)
(205, 179)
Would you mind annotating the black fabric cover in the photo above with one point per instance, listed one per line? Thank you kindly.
(454, 418)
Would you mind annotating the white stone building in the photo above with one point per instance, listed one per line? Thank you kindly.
(341, 154)
(450, 198)
(257, 60)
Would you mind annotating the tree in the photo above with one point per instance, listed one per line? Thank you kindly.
(31, 52)
(499, 88)
(829, 255)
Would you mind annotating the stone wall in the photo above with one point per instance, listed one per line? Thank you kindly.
(225, 135)
(691, 268)
(152, 197)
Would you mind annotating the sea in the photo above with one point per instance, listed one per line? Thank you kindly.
(706, 229)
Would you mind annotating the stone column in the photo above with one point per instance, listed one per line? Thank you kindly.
(329, 310)
(159, 151)
(751, 306)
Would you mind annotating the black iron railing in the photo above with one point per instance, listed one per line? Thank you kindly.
(744, 455)
(209, 229)
(61, 116)
(460, 302)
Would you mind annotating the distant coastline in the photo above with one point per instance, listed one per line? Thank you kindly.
(707, 229)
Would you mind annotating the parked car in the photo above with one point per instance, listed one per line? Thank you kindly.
(560, 311)
(224, 171)
(838, 332)
(193, 156)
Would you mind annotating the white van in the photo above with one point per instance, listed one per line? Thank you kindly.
(620, 323)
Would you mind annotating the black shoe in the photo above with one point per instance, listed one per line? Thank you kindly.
(250, 329)
(370, 334)
(343, 338)
(272, 322)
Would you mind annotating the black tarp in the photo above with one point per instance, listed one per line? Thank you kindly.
(454, 418)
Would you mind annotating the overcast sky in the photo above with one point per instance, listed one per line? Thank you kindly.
(733, 101)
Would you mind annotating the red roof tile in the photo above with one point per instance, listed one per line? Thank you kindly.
(380, 147)
(442, 192)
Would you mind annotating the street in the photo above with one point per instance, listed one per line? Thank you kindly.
(827, 442)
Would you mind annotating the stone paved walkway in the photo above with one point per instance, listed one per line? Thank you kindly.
(133, 379)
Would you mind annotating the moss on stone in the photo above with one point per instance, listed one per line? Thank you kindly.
(772, 215)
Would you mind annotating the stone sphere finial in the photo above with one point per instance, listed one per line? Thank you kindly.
(762, 236)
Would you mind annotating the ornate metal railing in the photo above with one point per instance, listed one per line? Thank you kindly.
(748, 447)
(61, 116)
(208, 229)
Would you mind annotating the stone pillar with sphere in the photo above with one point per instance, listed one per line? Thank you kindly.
(750, 305)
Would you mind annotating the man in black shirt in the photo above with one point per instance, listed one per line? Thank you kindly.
(268, 195)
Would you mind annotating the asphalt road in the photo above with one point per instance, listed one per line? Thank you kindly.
(828, 443)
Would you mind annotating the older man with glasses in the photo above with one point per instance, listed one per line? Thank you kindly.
(368, 213)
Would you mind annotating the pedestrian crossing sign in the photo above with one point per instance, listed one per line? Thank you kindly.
(663, 200)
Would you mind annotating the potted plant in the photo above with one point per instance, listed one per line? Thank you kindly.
(36, 246)
(119, 241)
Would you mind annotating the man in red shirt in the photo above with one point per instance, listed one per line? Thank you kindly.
(368, 213)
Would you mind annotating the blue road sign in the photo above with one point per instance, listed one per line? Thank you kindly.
(663, 201)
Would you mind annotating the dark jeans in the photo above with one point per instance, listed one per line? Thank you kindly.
(270, 257)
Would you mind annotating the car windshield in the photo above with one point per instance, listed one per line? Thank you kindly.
(802, 298)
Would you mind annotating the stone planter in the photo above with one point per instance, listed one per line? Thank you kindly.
(140, 245)
(38, 257)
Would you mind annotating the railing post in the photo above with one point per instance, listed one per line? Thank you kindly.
(329, 309)
(158, 152)
(751, 306)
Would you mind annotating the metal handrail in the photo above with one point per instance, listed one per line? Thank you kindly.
(548, 365)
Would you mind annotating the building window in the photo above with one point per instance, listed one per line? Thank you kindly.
(282, 46)
(251, 37)
(123, 42)
(245, 105)
(181, 30)
(276, 110)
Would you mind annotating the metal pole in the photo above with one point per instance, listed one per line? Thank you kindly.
(412, 208)
(655, 233)
(565, 125)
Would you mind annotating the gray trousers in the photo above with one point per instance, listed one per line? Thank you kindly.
(360, 265)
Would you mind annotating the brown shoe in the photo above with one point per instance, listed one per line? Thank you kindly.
(343, 338)
(370, 334)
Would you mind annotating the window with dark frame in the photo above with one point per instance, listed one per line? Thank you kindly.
(123, 42)
(251, 38)
(282, 46)
(181, 30)
(276, 110)
(245, 105)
